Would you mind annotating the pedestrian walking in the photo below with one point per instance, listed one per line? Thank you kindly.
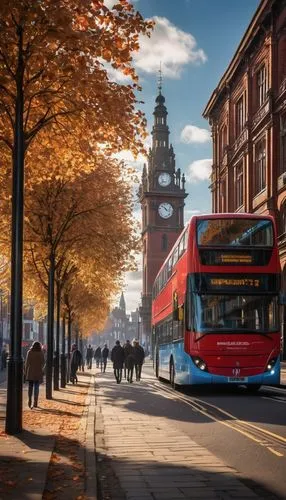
(139, 356)
(97, 356)
(34, 372)
(89, 356)
(129, 363)
(104, 357)
(127, 350)
(76, 363)
(117, 357)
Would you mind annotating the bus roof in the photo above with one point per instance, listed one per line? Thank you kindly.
(227, 215)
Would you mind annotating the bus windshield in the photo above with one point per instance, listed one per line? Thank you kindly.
(242, 313)
(235, 232)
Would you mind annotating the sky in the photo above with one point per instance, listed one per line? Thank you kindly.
(194, 40)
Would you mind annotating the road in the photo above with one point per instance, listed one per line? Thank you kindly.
(246, 431)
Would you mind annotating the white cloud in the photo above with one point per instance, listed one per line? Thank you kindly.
(170, 45)
(199, 170)
(192, 134)
(110, 3)
(115, 75)
(127, 156)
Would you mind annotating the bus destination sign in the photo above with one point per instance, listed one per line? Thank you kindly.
(215, 257)
(235, 283)
(240, 282)
(227, 258)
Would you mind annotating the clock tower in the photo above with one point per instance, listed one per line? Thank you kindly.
(162, 194)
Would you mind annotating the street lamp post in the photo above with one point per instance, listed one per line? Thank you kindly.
(63, 354)
(15, 361)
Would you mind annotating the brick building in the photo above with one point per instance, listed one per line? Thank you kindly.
(247, 114)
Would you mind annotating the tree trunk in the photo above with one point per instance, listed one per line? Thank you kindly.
(57, 351)
(63, 354)
(69, 346)
(15, 362)
(50, 329)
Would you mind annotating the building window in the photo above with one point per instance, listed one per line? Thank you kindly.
(260, 166)
(145, 216)
(282, 165)
(239, 116)
(283, 219)
(261, 85)
(223, 140)
(239, 185)
(164, 242)
(223, 196)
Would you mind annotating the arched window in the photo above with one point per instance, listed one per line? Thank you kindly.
(283, 218)
(164, 242)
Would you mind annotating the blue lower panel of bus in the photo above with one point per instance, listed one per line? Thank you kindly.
(187, 373)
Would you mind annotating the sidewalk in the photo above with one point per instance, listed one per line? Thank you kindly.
(53, 458)
(142, 455)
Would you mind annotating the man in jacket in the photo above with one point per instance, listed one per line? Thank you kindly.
(97, 356)
(104, 356)
(139, 356)
(128, 349)
(76, 362)
(117, 357)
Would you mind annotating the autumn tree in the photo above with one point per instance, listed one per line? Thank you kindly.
(51, 76)
(82, 227)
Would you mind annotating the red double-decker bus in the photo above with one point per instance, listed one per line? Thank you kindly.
(215, 315)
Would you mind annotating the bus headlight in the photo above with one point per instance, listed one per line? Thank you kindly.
(200, 363)
(270, 364)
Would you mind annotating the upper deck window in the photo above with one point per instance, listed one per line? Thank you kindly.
(235, 232)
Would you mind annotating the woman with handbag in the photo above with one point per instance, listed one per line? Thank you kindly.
(33, 372)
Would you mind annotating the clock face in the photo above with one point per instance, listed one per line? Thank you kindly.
(164, 179)
(165, 210)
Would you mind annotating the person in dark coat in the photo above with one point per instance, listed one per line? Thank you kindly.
(76, 363)
(139, 356)
(129, 364)
(34, 371)
(97, 356)
(89, 356)
(117, 357)
(104, 356)
(127, 350)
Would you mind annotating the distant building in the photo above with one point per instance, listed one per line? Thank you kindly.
(247, 114)
(119, 326)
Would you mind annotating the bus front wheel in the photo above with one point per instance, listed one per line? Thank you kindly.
(172, 374)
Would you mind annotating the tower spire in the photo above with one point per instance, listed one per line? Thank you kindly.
(160, 78)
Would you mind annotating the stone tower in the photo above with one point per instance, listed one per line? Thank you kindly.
(162, 194)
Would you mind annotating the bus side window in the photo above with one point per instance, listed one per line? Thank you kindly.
(169, 267)
(175, 256)
(175, 330)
